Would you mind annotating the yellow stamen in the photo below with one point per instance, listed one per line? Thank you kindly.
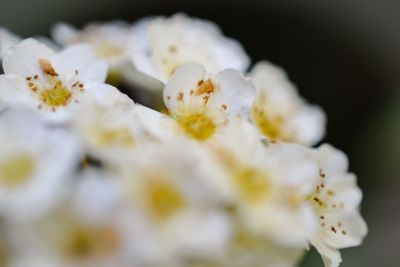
(47, 68)
(121, 137)
(245, 240)
(16, 170)
(164, 199)
(254, 185)
(269, 126)
(198, 126)
(86, 242)
(205, 87)
(57, 96)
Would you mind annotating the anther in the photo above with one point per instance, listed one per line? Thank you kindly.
(180, 96)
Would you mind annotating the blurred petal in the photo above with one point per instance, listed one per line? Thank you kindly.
(23, 58)
(82, 58)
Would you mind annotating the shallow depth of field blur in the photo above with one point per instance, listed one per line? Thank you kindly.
(343, 55)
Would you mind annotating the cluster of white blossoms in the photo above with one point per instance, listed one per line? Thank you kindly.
(224, 174)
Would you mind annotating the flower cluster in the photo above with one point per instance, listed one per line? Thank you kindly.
(223, 173)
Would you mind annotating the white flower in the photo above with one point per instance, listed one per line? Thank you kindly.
(172, 190)
(50, 83)
(86, 230)
(269, 185)
(107, 128)
(279, 112)
(249, 249)
(110, 41)
(163, 44)
(201, 103)
(7, 40)
(336, 200)
(35, 165)
(113, 129)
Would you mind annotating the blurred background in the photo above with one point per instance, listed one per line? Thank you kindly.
(343, 55)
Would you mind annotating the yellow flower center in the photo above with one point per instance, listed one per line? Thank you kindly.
(269, 126)
(244, 239)
(86, 242)
(198, 126)
(292, 198)
(254, 185)
(119, 137)
(164, 199)
(109, 50)
(16, 170)
(57, 96)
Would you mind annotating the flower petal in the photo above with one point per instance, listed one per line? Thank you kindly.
(280, 112)
(14, 92)
(163, 44)
(63, 33)
(155, 123)
(349, 233)
(332, 160)
(184, 79)
(7, 40)
(308, 124)
(55, 153)
(80, 58)
(235, 91)
(330, 256)
(345, 192)
(23, 58)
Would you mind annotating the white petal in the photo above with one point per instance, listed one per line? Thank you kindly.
(97, 71)
(7, 40)
(330, 256)
(300, 170)
(97, 196)
(23, 58)
(155, 123)
(110, 40)
(352, 223)
(14, 92)
(308, 125)
(80, 58)
(195, 40)
(184, 79)
(63, 33)
(346, 192)
(282, 95)
(200, 234)
(332, 160)
(103, 94)
(94, 93)
(47, 42)
(235, 91)
(278, 99)
(284, 225)
(55, 153)
(140, 52)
